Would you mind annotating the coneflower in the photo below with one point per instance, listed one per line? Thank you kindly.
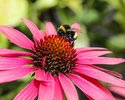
(56, 66)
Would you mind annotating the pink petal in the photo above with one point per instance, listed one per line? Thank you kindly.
(116, 74)
(76, 26)
(96, 83)
(33, 28)
(14, 74)
(17, 37)
(89, 88)
(89, 71)
(118, 90)
(29, 92)
(89, 49)
(40, 74)
(10, 63)
(92, 53)
(13, 53)
(68, 88)
(100, 60)
(50, 29)
(58, 93)
(89, 98)
(43, 33)
(46, 90)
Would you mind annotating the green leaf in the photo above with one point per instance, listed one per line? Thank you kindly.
(45, 4)
(117, 42)
(88, 16)
(11, 11)
(3, 41)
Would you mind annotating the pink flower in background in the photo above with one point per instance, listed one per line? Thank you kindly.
(57, 66)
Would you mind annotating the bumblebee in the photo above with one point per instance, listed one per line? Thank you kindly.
(67, 32)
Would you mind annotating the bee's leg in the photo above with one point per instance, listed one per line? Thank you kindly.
(72, 43)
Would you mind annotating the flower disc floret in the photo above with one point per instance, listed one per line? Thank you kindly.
(54, 54)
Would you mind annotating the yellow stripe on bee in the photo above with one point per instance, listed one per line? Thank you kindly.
(62, 28)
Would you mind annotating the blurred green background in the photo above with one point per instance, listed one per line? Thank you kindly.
(102, 25)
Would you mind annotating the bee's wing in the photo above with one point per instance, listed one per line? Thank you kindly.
(75, 26)
(75, 30)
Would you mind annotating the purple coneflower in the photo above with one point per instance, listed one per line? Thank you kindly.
(56, 65)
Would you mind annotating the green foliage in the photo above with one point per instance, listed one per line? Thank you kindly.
(3, 41)
(117, 42)
(11, 11)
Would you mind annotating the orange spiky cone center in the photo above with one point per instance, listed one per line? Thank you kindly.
(54, 55)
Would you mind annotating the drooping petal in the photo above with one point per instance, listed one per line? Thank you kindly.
(68, 88)
(58, 92)
(29, 92)
(89, 49)
(50, 29)
(92, 54)
(116, 74)
(10, 63)
(37, 34)
(46, 89)
(89, 71)
(40, 74)
(97, 84)
(13, 53)
(89, 88)
(100, 60)
(118, 90)
(17, 37)
(14, 74)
